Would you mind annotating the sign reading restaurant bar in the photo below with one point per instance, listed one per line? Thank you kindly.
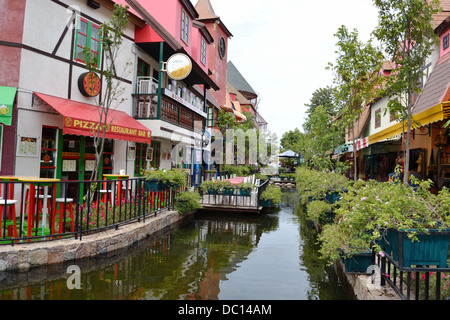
(71, 125)
(83, 119)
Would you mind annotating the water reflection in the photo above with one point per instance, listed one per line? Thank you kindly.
(209, 256)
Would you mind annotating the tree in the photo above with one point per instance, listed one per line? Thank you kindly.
(356, 78)
(407, 35)
(291, 140)
(322, 97)
(110, 41)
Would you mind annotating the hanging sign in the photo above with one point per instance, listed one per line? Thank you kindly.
(178, 67)
(89, 84)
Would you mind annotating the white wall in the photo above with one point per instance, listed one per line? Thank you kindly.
(44, 24)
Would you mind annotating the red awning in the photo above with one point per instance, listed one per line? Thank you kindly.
(83, 119)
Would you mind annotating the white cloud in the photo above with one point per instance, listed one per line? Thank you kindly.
(282, 48)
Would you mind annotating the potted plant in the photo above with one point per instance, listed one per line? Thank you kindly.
(318, 211)
(157, 180)
(245, 188)
(271, 196)
(411, 226)
(187, 202)
(212, 186)
(317, 185)
(227, 188)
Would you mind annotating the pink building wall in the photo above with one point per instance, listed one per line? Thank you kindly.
(168, 14)
(217, 64)
(12, 14)
(441, 48)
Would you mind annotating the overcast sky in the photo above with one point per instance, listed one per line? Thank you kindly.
(282, 47)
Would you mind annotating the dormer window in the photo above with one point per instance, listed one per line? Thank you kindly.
(445, 42)
(184, 27)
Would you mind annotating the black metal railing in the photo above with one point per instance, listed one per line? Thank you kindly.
(39, 211)
(414, 283)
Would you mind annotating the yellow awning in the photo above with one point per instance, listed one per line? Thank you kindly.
(428, 116)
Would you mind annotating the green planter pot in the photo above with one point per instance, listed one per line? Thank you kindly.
(155, 185)
(151, 185)
(211, 191)
(266, 203)
(430, 249)
(227, 191)
(332, 197)
(358, 262)
(244, 192)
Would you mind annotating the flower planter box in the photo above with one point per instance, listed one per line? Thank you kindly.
(328, 217)
(358, 262)
(244, 192)
(211, 191)
(332, 197)
(227, 191)
(266, 203)
(155, 185)
(430, 249)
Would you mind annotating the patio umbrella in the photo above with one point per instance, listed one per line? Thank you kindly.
(288, 154)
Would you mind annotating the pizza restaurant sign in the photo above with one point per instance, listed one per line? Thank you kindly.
(93, 126)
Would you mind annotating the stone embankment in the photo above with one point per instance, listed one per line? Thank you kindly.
(23, 256)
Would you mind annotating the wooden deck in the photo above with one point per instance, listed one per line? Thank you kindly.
(231, 203)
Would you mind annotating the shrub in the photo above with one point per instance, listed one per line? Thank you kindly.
(272, 193)
(187, 201)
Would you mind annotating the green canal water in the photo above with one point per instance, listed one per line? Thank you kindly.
(271, 256)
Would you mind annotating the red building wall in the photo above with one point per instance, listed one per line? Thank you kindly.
(12, 15)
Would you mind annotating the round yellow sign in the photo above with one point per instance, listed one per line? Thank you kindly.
(179, 66)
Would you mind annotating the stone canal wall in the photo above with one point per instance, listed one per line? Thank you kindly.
(24, 256)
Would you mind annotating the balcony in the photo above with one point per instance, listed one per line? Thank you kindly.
(178, 105)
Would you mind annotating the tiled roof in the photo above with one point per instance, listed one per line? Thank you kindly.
(239, 97)
(440, 16)
(436, 86)
(205, 10)
(235, 78)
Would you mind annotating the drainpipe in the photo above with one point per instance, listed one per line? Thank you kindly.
(160, 77)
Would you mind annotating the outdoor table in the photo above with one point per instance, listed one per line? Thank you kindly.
(116, 176)
(45, 182)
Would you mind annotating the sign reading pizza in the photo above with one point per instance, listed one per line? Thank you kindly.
(112, 131)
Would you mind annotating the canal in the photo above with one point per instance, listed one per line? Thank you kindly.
(270, 256)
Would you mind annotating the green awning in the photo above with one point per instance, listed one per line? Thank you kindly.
(7, 95)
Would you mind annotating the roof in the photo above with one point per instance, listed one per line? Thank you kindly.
(205, 10)
(435, 89)
(235, 78)
(239, 97)
(439, 17)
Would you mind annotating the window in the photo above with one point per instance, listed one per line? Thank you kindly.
(48, 152)
(88, 35)
(203, 51)
(445, 42)
(378, 118)
(392, 116)
(143, 68)
(184, 27)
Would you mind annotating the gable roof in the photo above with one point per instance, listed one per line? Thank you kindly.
(235, 78)
(436, 87)
(206, 12)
